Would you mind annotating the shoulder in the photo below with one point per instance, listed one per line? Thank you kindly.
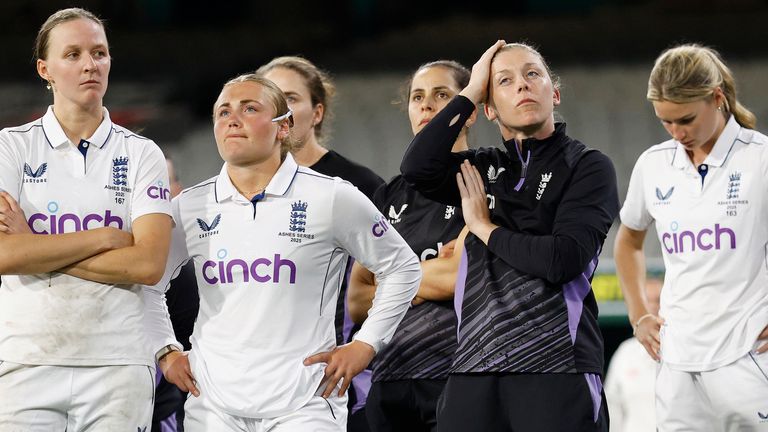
(201, 189)
(120, 132)
(23, 134)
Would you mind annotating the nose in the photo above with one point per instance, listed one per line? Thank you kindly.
(427, 105)
(522, 85)
(677, 132)
(90, 63)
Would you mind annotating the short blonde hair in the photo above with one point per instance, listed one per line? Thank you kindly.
(692, 72)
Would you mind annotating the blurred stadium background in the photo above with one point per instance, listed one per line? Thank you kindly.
(170, 58)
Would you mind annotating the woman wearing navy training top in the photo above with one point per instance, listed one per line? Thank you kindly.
(410, 372)
(530, 354)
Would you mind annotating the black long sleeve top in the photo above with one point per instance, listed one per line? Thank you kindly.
(528, 291)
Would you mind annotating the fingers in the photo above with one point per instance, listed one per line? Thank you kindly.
(462, 186)
(344, 386)
(764, 333)
(322, 357)
(332, 378)
(14, 205)
(762, 348)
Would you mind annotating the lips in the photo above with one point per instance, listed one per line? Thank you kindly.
(90, 82)
(525, 101)
(424, 121)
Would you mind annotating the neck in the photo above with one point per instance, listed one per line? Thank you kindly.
(78, 122)
(251, 180)
(309, 152)
(538, 131)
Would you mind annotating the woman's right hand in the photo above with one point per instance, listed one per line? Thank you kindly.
(176, 369)
(477, 89)
(648, 334)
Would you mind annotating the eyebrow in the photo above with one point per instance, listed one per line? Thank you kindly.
(438, 88)
(242, 102)
(76, 46)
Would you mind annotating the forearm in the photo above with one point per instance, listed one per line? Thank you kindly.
(137, 264)
(428, 163)
(362, 288)
(157, 321)
(42, 253)
(438, 281)
(630, 268)
(555, 258)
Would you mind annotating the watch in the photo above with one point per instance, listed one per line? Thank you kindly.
(164, 351)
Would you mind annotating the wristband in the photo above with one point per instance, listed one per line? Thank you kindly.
(637, 323)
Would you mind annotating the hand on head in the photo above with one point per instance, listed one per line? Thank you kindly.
(477, 90)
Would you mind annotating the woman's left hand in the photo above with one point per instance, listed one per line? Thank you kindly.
(12, 218)
(474, 202)
(343, 363)
(763, 337)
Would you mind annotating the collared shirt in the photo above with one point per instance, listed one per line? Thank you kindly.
(269, 272)
(111, 179)
(710, 221)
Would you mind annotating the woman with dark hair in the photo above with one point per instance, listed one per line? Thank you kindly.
(410, 372)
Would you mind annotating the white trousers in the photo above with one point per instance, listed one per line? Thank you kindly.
(75, 399)
(730, 398)
(318, 415)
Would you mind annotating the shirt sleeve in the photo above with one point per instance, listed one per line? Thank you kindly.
(157, 321)
(583, 218)
(365, 233)
(151, 192)
(11, 163)
(634, 214)
(428, 165)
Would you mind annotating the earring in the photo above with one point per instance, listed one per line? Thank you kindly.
(720, 108)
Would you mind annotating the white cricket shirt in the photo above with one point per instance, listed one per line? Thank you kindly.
(269, 276)
(57, 319)
(713, 235)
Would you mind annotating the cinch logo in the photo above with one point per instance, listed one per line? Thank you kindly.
(35, 176)
(159, 192)
(380, 226)
(689, 241)
(58, 224)
(221, 272)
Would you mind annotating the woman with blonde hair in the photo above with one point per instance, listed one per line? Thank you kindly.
(73, 353)
(705, 191)
(270, 241)
(528, 339)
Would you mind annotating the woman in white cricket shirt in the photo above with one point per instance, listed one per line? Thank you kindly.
(270, 242)
(84, 220)
(706, 191)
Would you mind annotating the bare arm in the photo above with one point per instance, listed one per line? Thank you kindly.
(362, 288)
(22, 252)
(438, 282)
(141, 263)
(630, 268)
